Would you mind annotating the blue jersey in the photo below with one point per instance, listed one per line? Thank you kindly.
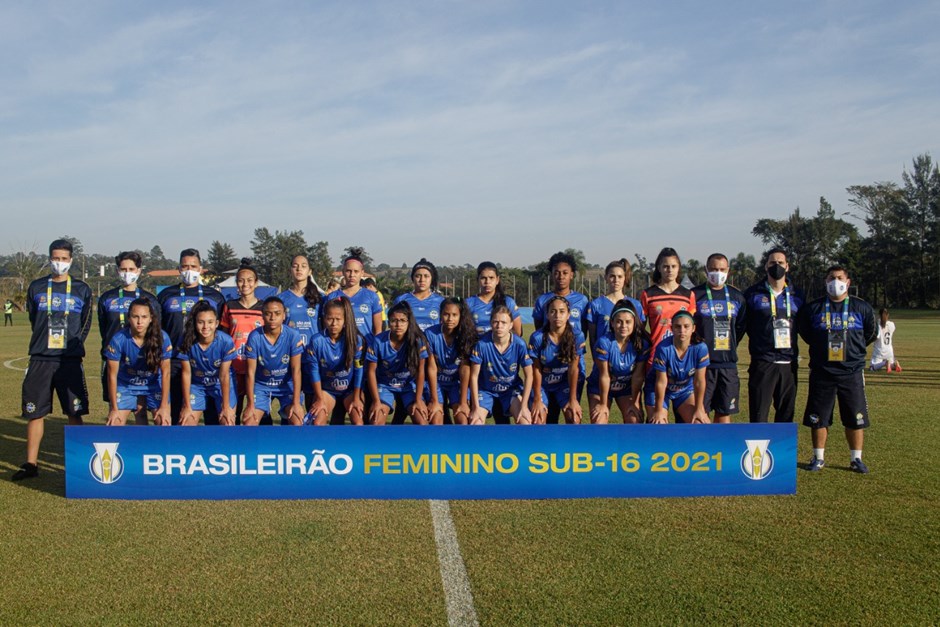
(426, 312)
(365, 304)
(577, 303)
(554, 371)
(620, 363)
(273, 369)
(204, 363)
(598, 314)
(448, 362)
(325, 362)
(300, 315)
(133, 372)
(481, 311)
(113, 306)
(680, 372)
(392, 369)
(499, 372)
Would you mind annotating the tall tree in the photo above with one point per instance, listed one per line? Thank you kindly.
(695, 271)
(922, 193)
(321, 264)
(273, 253)
(221, 257)
(743, 271)
(884, 252)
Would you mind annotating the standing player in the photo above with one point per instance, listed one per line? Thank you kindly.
(619, 367)
(882, 354)
(369, 284)
(617, 274)
(497, 362)
(563, 268)
(838, 330)
(557, 352)
(176, 302)
(138, 358)
(666, 297)
(772, 307)
(333, 360)
(396, 362)
(365, 303)
(302, 299)
(679, 367)
(60, 311)
(207, 367)
(240, 316)
(720, 319)
(273, 352)
(451, 343)
(424, 300)
(113, 306)
(490, 295)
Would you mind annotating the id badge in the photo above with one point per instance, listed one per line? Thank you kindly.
(58, 333)
(782, 333)
(836, 346)
(722, 340)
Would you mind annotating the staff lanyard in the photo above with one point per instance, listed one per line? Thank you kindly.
(773, 301)
(711, 307)
(845, 316)
(68, 296)
(121, 300)
(183, 298)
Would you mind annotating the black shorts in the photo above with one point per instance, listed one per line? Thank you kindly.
(722, 389)
(825, 388)
(66, 377)
(104, 381)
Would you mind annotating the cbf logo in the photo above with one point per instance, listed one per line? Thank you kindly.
(757, 461)
(106, 464)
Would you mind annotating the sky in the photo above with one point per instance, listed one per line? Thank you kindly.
(455, 131)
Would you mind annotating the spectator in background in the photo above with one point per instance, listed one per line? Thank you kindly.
(882, 354)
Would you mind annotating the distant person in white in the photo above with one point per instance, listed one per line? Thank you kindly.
(882, 355)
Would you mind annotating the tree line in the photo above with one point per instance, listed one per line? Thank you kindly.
(897, 263)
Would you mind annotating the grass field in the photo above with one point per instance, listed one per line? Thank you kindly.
(846, 549)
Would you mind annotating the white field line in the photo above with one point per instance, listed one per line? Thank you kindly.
(9, 364)
(457, 595)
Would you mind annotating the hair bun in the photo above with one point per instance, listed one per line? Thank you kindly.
(246, 262)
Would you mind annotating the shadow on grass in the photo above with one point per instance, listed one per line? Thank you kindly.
(51, 479)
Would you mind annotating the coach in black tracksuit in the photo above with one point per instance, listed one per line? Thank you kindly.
(838, 329)
(772, 307)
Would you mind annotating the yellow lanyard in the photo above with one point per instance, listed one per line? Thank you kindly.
(121, 301)
(68, 296)
(773, 301)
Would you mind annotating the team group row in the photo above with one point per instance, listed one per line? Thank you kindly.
(188, 355)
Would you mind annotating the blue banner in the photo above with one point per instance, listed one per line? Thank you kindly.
(408, 462)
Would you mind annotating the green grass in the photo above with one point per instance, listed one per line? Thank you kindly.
(846, 549)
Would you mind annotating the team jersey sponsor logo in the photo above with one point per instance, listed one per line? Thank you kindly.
(364, 308)
(757, 461)
(433, 314)
(106, 465)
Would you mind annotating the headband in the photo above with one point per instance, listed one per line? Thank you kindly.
(683, 312)
(621, 310)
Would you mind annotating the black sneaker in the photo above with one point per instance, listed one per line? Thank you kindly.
(815, 464)
(26, 471)
(859, 466)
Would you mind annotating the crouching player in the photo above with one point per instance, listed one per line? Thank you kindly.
(273, 352)
(207, 374)
(679, 366)
(495, 365)
(395, 367)
(333, 365)
(139, 368)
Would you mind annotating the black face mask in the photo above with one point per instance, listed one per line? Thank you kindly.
(776, 272)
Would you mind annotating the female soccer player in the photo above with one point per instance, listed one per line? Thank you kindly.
(273, 353)
(451, 343)
(241, 316)
(662, 300)
(619, 367)
(139, 367)
(302, 299)
(424, 300)
(495, 365)
(365, 303)
(207, 367)
(490, 295)
(679, 366)
(882, 353)
(333, 365)
(558, 372)
(562, 267)
(617, 275)
(395, 369)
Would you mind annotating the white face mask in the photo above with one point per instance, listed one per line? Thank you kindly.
(717, 278)
(60, 267)
(190, 276)
(836, 288)
(127, 277)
